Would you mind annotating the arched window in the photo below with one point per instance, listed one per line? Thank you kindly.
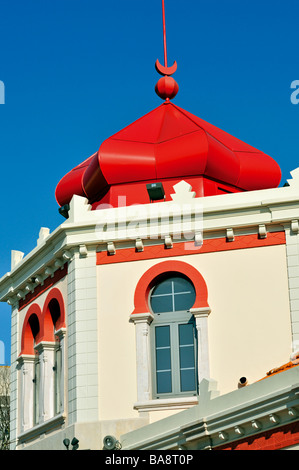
(172, 294)
(33, 326)
(174, 341)
(172, 351)
(42, 361)
(31, 333)
(54, 321)
(54, 309)
(53, 314)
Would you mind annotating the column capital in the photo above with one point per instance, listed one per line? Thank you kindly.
(26, 358)
(45, 345)
(200, 312)
(146, 317)
(60, 333)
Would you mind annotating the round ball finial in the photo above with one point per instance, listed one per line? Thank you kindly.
(167, 88)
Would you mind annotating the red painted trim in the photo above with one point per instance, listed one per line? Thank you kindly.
(49, 282)
(47, 326)
(27, 339)
(275, 439)
(45, 322)
(152, 275)
(188, 248)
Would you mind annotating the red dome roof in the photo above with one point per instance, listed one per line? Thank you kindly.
(168, 145)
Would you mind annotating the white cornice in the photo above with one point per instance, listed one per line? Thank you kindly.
(256, 408)
(215, 216)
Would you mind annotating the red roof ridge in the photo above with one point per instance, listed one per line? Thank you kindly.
(288, 365)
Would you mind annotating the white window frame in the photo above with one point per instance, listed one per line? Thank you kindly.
(38, 399)
(145, 397)
(173, 321)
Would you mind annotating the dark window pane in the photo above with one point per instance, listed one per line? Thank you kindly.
(164, 287)
(163, 360)
(188, 380)
(162, 336)
(184, 301)
(186, 335)
(182, 285)
(162, 303)
(173, 294)
(164, 382)
(186, 356)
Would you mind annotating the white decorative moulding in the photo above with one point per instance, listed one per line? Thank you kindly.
(83, 251)
(230, 235)
(16, 258)
(295, 178)
(43, 234)
(111, 248)
(168, 241)
(183, 192)
(262, 231)
(139, 245)
(295, 226)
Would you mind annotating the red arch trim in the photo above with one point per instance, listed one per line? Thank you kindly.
(27, 339)
(46, 327)
(47, 324)
(151, 276)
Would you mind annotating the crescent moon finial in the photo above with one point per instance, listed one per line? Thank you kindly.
(166, 70)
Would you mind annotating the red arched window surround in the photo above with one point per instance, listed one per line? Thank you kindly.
(32, 321)
(151, 277)
(51, 319)
(43, 321)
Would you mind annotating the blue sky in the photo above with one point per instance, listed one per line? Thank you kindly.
(77, 71)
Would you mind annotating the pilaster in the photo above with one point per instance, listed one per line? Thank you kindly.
(292, 255)
(26, 364)
(46, 351)
(142, 323)
(61, 334)
(14, 374)
(82, 336)
(201, 323)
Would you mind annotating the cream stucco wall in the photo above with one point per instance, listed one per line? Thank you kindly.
(249, 325)
(117, 358)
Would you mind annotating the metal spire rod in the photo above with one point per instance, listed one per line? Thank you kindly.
(164, 69)
(164, 33)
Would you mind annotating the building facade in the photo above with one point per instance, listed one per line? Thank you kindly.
(172, 282)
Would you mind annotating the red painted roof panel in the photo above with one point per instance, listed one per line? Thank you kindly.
(170, 142)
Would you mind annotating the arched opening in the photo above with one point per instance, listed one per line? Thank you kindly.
(169, 299)
(172, 293)
(53, 314)
(42, 358)
(151, 277)
(31, 330)
(174, 340)
(54, 308)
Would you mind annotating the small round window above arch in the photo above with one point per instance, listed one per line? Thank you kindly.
(167, 269)
(172, 293)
